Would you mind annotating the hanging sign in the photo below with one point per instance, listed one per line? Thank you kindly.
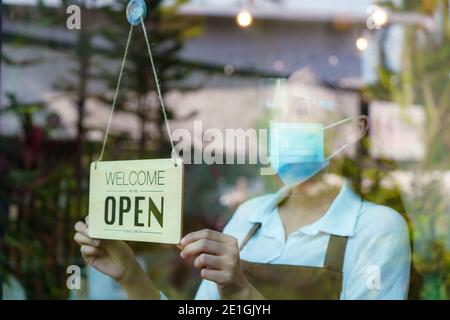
(137, 200)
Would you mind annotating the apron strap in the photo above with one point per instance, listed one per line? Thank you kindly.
(250, 234)
(334, 259)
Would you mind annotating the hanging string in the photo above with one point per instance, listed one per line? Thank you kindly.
(115, 96)
(158, 89)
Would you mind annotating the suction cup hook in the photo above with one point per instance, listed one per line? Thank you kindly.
(135, 10)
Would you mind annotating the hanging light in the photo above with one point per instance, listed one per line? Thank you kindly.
(244, 19)
(380, 17)
(377, 18)
(362, 43)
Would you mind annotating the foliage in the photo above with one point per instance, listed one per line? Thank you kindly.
(424, 80)
(44, 182)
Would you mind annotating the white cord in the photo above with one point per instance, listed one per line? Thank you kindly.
(115, 96)
(158, 88)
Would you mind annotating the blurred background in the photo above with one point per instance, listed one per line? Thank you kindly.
(225, 63)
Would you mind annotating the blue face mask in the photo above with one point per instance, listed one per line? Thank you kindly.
(297, 150)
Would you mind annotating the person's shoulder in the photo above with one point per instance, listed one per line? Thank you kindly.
(376, 220)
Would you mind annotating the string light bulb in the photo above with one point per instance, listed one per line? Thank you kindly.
(380, 17)
(362, 43)
(377, 18)
(244, 19)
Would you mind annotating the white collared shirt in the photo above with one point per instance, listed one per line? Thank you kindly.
(377, 257)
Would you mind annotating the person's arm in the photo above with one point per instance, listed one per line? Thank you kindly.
(116, 259)
(138, 285)
(217, 257)
(236, 226)
(378, 264)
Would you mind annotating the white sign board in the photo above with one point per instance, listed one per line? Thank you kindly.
(137, 200)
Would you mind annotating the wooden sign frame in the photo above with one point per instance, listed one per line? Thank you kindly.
(137, 200)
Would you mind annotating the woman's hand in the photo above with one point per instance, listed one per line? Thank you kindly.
(217, 256)
(115, 259)
(111, 257)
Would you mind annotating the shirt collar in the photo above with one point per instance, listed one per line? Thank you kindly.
(340, 219)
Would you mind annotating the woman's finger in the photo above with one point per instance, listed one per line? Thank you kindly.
(217, 276)
(208, 261)
(203, 246)
(82, 239)
(81, 228)
(87, 220)
(203, 234)
(88, 251)
(89, 254)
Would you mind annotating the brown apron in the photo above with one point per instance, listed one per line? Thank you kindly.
(290, 282)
